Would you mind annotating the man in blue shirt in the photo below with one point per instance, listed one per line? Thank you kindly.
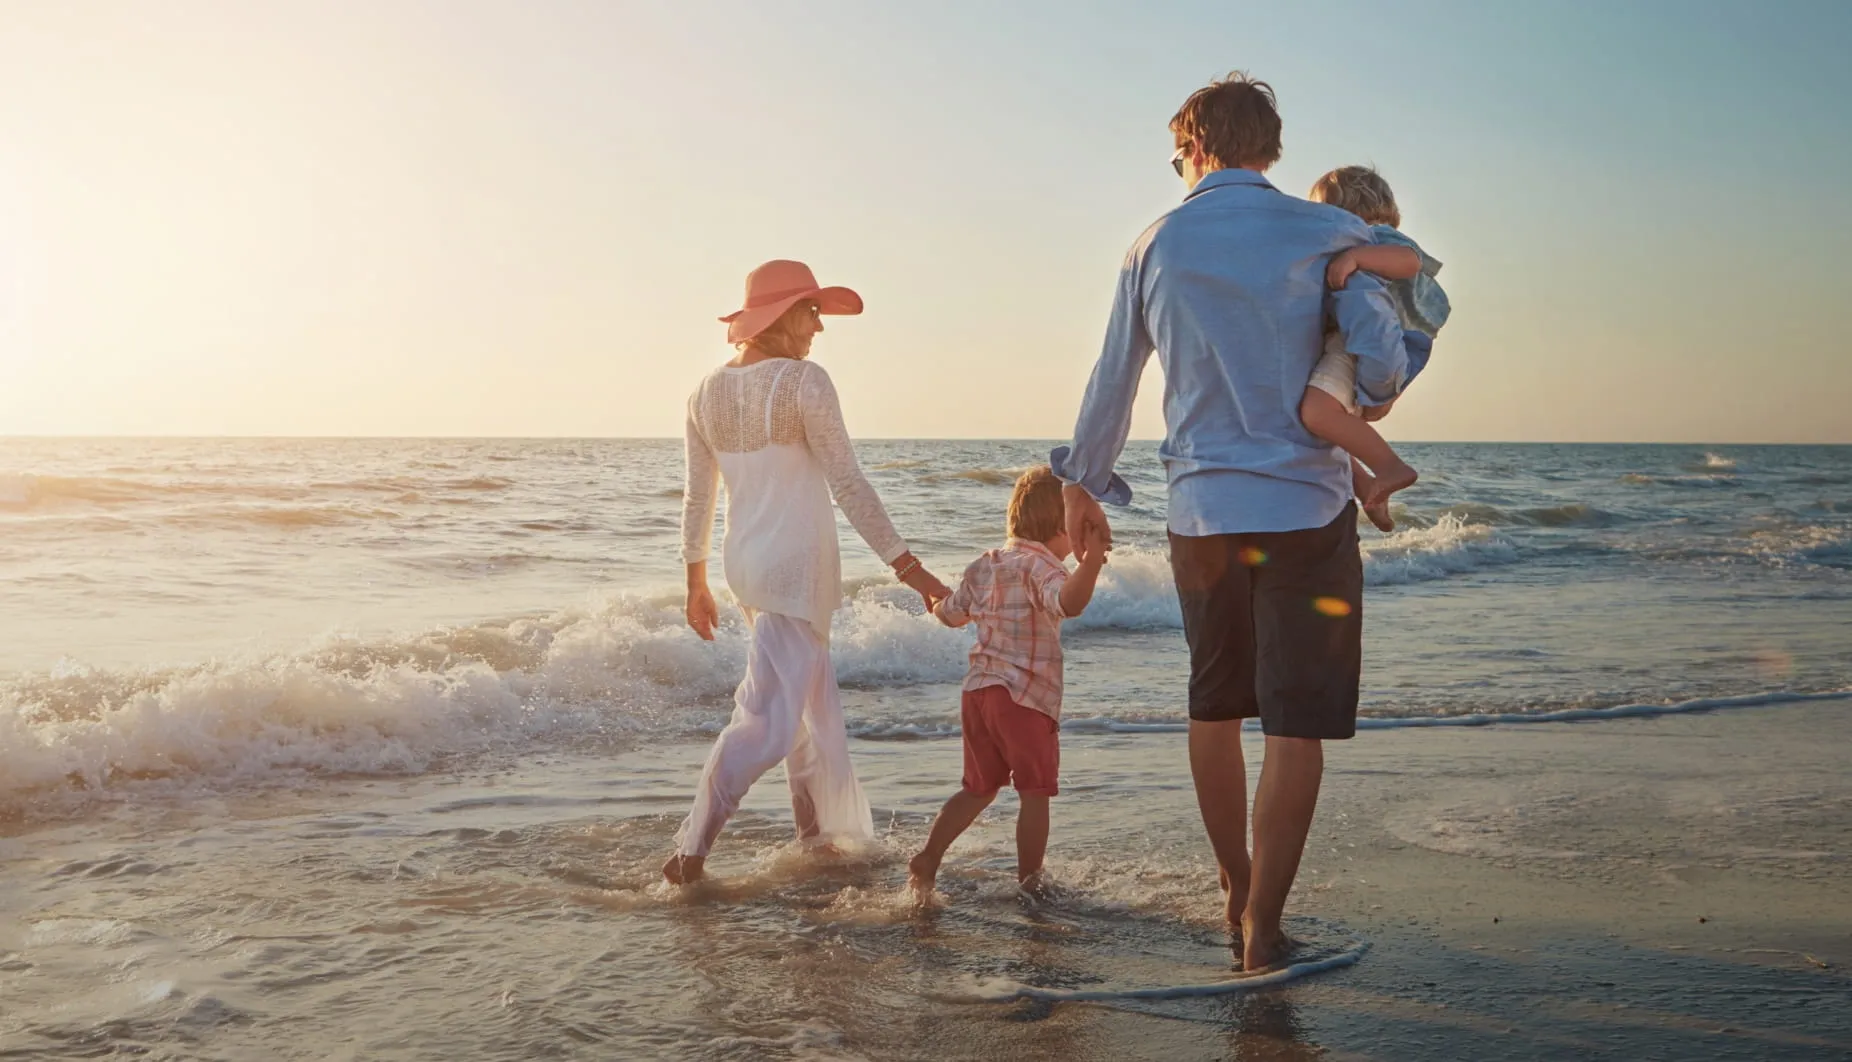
(1228, 289)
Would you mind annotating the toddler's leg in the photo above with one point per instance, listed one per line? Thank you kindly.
(1326, 417)
(1031, 840)
(954, 818)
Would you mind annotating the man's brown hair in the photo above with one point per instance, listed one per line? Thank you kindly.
(1037, 513)
(1234, 122)
(1362, 191)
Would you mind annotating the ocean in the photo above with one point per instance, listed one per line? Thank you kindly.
(369, 748)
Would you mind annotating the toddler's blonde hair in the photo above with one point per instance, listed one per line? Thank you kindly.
(1037, 512)
(1360, 190)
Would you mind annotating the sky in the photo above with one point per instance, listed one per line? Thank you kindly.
(475, 218)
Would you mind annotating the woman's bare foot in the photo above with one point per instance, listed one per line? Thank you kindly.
(684, 870)
(922, 874)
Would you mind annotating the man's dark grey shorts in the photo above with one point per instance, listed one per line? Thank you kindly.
(1275, 625)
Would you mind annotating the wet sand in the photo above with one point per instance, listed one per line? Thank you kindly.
(1638, 888)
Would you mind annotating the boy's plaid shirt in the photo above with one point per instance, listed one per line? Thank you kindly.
(1013, 594)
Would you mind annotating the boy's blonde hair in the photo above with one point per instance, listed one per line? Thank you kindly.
(1037, 512)
(1360, 190)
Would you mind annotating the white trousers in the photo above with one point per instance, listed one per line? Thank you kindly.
(786, 708)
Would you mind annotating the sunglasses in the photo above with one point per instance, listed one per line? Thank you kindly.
(1176, 161)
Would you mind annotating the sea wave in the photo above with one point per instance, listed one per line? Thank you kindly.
(990, 477)
(1453, 546)
(29, 491)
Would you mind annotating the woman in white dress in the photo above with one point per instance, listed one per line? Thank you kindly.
(768, 425)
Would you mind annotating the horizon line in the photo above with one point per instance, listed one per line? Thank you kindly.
(859, 439)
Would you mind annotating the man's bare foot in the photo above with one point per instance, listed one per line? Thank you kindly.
(684, 870)
(1234, 902)
(922, 874)
(1261, 946)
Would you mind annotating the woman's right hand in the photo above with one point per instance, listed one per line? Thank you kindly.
(703, 615)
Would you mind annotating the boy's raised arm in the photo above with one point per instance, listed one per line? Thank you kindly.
(1077, 592)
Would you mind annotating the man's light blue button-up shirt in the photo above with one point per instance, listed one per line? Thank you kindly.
(1229, 289)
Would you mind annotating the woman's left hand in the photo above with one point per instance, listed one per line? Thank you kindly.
(930, 589)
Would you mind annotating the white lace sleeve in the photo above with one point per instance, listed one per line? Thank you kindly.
(829, 441)
(700, 493)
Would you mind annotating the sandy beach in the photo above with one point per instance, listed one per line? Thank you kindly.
(1640, 888)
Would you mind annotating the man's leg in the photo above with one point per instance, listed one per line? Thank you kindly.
(1221, 778)
(1214, 577)
(1284, 802)
(1308, 623)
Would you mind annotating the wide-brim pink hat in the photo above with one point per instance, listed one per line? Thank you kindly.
(777, 286)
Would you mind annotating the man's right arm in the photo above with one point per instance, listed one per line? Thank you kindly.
(1372, 332)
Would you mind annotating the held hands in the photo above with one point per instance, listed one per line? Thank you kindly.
(909, 570)
(1087, 527)
(1098, 544)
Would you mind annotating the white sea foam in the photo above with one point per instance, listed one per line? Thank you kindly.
(1005, 990)
(1451, 547)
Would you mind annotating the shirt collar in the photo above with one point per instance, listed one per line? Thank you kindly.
(1224, 178)
(1028, 546)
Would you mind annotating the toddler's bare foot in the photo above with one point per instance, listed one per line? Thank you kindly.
(1398, 476)
(684, 870)
(1378, 512)
(922, 874)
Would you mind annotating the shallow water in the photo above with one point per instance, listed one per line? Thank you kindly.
(370, 749)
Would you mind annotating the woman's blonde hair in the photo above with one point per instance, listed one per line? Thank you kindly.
(782, 338)
(1037, 512)
(1360, 190)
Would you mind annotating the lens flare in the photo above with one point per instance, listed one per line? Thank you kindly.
(1252, 557)
(1335, 607)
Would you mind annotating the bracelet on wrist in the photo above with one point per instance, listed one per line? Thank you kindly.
(911, 567)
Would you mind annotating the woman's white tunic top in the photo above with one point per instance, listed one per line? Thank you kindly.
(773, 432)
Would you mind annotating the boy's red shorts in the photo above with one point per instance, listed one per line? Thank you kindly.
(1004, 740)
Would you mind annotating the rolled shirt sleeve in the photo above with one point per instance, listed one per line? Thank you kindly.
(1106, 412)
(1373, 332)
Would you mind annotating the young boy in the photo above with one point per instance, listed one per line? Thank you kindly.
(1329, 408)
(1017, 596)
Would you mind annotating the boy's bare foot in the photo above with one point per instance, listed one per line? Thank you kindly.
(1262, 946)
(922, 874)
(684, 870)
(1037, 887)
